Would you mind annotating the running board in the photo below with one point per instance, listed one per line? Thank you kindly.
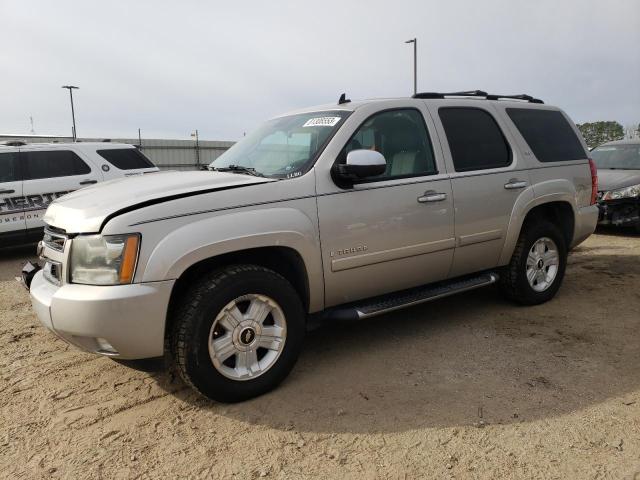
(408, 298)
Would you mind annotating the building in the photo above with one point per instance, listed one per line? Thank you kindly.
(166, 154)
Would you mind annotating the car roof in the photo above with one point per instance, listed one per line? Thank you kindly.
(351, 106)
(65, 146)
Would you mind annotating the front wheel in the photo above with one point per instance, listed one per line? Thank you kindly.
(237, 333)
(537, 266)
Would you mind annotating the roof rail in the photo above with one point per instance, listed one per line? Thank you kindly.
(13, 143)
(477, 93)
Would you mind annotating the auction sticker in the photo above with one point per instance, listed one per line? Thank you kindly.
(322, 122)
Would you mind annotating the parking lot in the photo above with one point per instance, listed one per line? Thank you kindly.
(469, 386)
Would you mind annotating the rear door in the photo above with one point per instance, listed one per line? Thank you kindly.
(487, 176)
(119, 162)
(49, 174)
(12, 205)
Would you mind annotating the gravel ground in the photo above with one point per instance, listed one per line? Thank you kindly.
(465, 387)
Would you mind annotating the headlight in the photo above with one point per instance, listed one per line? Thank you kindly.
(627, 192)
(104, 260)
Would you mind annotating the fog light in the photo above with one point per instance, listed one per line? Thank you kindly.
(105, 347)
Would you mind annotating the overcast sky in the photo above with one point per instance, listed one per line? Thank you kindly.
(223, 67)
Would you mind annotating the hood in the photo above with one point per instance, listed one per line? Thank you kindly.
(612, 179)
(85, 210)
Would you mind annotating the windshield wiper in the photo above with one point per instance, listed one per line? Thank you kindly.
(238, 169)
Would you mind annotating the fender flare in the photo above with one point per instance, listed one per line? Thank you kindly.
(557, 190)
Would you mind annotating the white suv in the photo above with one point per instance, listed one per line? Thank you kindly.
(33, 175)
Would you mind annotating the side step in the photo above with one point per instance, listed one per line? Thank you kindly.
(408, 298)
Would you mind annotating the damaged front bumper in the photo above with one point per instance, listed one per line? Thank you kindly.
(624, 212)
(28, 272)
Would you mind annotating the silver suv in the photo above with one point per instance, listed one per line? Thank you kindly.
(343, 211)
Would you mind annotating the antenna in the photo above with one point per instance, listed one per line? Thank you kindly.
(32, 129)
(343, 99)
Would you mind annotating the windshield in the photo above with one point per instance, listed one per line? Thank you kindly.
(283, 147)
(624, 157)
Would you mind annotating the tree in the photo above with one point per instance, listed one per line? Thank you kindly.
(597, 133)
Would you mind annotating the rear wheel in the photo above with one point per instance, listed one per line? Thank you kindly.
(537, 266)
(237, 333)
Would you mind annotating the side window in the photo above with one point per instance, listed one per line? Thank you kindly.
(401, 137)
(548, 134)
(9, 168)
(475, 139)
(125, 158)
(54, 163)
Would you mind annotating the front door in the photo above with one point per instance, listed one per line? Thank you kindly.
(393, 231)
(12, 223)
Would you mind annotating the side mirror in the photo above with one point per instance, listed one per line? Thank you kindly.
(361, 164)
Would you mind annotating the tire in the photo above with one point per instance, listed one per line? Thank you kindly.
(514, 281)
(217, 310)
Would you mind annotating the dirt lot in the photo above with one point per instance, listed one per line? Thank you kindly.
(466, 387)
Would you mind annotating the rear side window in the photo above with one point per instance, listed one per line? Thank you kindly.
(548, 134)
(125, 158)
(9, 168)
(475, 139)
(54, 163)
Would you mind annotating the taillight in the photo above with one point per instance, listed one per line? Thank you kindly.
(594, 182)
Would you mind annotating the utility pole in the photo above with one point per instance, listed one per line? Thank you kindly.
(415, 63)
(71, 88)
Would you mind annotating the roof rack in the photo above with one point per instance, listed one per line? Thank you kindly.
(478, 93)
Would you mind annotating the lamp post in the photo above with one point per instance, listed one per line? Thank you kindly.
(415, 63)
(71, 88)
(195, 134)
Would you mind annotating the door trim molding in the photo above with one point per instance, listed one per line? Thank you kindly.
(464, 240)
(372, 258)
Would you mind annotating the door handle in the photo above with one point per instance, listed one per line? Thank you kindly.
(432, 196)
(514, 184)
(88, 182)
(7, 191)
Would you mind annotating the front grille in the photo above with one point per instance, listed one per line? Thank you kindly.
(54, 239)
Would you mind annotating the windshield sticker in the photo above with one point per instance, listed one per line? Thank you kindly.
(322, 122)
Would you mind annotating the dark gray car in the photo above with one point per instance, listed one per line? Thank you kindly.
(619, 183)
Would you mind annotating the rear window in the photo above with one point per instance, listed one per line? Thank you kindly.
(126, 158)
(9, 168)
(475, 140)
(548, 134)
(54, 163)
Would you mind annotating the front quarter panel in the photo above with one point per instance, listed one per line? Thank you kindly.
(272, 225)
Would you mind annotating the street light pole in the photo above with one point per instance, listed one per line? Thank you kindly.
(71, 88)
(415, 63)
(195, 134)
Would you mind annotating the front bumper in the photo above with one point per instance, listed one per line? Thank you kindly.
(624, 212)
(123, 321)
